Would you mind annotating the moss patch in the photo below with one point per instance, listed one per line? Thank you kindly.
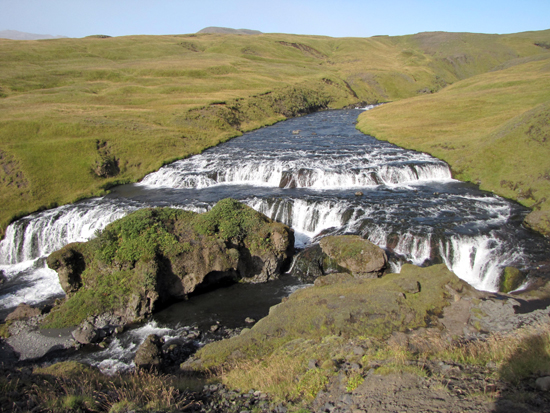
(157, 254)
(372, 307)
(511, 279)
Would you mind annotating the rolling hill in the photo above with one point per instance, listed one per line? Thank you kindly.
(80, 115)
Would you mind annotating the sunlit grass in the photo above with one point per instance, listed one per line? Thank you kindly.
(58, 97)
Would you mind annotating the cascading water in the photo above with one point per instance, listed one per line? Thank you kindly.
(303, 172)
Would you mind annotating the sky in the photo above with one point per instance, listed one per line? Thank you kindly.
(335, 18)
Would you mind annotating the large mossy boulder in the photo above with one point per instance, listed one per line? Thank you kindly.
(360, 256)
(156, 255)
(341, 253)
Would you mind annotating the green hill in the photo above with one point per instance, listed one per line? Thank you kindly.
(493, 129)
(80, 115)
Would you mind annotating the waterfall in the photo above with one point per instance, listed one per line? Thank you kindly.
(478, 260)
(40, 234)
(410, 205)
(306, 218)
(295, 174)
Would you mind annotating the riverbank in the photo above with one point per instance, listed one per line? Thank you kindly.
(105, 111)
(492, 129)
(483, 352)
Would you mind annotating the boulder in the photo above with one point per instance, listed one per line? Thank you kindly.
(86, 333)
(3, 278)
(69, 263)
(312, 263)
(511, 279)
(149, 354)
(22, 312)
(358, 256)
(543, 383)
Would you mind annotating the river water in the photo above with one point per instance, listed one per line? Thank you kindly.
(304, 172)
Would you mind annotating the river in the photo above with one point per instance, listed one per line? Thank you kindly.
(305, 172)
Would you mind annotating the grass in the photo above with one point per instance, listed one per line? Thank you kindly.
(492, 129)
(316, 324)
(154, 255)
(141, 101)
(71, 386)
(294, 353)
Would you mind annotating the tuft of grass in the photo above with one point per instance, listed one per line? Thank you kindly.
(70, 386)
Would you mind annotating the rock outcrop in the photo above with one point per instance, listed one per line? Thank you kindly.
(22, 312)
(343, 253)
(69, 264)
(538, 221)
(158, 255)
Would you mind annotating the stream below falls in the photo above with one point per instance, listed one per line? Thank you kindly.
(304, 172)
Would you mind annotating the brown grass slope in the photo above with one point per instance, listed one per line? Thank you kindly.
(80, 115)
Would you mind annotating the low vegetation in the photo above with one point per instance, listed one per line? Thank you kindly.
(294, 360)
(74, 387)
(159, 254)
(316, 322)
(492, 129)
(78, 116)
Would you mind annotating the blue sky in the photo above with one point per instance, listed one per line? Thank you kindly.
(342, 18)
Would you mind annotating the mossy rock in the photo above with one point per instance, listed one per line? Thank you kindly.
(312, 263)
(359, 256)
(511, 279)
(156, 255)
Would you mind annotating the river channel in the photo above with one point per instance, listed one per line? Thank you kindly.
(320, 176)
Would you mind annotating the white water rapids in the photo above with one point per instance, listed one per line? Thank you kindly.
(303, 172)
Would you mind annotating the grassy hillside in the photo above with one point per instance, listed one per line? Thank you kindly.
(493, 129)
(80, 115)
